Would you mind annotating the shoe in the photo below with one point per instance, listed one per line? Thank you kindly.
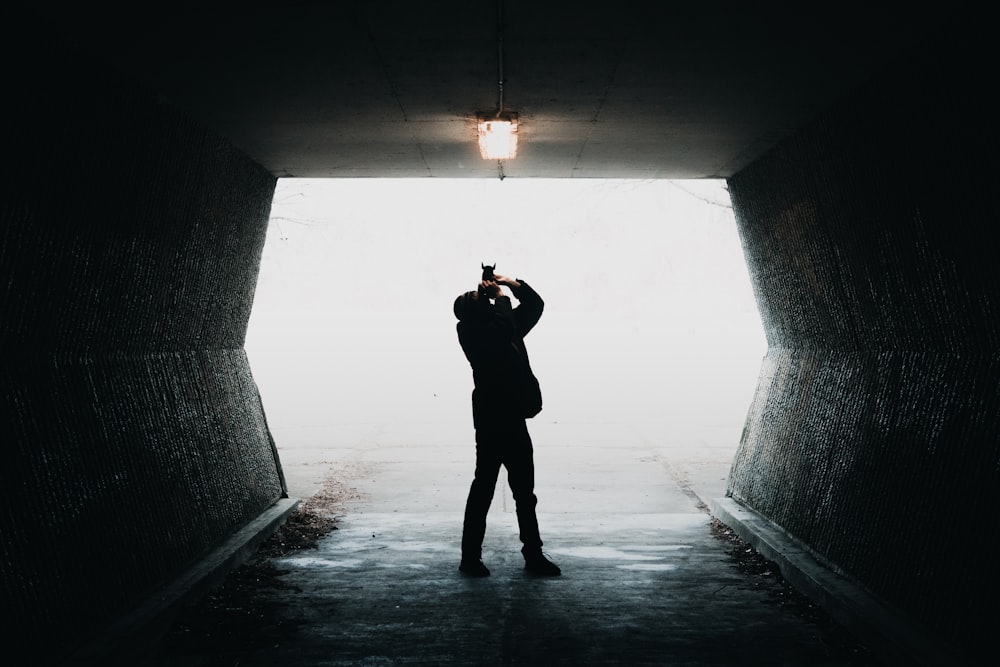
(539, 565)
(474, 568)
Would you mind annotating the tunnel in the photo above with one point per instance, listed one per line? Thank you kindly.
(142, 154)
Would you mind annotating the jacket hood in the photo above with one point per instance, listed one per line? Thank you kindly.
(465, 305)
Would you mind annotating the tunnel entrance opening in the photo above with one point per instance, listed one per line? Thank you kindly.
(650, 333)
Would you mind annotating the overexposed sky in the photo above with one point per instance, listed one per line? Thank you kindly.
(649, 313)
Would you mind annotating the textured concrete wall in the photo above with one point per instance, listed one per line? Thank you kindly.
(873, 437)
(133, 435)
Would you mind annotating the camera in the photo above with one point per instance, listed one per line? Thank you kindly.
(487, 275)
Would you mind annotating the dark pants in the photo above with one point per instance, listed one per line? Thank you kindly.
(508, 445)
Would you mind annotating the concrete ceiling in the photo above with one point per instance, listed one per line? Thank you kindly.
(622, 89)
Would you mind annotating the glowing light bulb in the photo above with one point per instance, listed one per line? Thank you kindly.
(497, 138)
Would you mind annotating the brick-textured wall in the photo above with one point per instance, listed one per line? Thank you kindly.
(133, 437)
(874, 435)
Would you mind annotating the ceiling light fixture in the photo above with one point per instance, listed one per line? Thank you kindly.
(498, 136)
(498, 133)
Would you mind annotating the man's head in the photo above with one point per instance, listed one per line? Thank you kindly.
(478, 301)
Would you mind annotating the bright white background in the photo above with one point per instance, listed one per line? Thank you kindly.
(649, 314)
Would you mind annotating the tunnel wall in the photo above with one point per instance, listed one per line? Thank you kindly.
(873, 435)
(134, 439)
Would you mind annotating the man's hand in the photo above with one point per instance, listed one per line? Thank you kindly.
(490, 289)
(504, 280)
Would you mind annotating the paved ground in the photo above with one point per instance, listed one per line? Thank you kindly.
(649, 577)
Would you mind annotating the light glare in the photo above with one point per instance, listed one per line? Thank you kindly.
(497, 139)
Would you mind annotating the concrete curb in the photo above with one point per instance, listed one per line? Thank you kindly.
(889, 635)
(131, 635)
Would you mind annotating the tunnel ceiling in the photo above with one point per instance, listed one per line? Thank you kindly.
(391, 89)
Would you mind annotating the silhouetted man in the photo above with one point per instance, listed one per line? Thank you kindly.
(505, 394)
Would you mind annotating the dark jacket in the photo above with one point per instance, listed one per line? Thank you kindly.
(492, 337)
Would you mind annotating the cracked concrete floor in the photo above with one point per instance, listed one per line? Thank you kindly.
(649, 577)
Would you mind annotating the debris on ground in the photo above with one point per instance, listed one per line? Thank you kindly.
(765, 574)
